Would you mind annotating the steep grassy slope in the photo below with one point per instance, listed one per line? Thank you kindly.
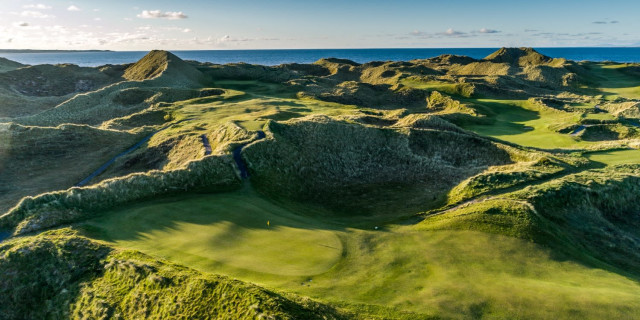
(166, 67)
(212, 174)
(58, 275)
(31, 89)
(350, 167)
(8, 65)
(34, 160)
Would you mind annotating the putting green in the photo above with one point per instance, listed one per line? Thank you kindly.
(234, 230)
(444, 273)
(616, 157)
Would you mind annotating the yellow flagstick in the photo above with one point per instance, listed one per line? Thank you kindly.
(268, 223)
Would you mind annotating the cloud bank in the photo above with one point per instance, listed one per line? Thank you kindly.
(157, 14)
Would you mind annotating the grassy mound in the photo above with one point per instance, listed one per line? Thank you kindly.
(347, 165)
(212, 174)
(590, 216)
(518, 56)
(61, 275)
(163, 65)
(54, 80)
(595, 212)
(9, 65)
(34, 160)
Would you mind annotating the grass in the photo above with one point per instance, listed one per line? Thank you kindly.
(530, 238)
(454, 89)
(59, 275)
(248, 232)
(614, 83)
(448, 273)
(616, 157)
(527, 124)
(251, 109)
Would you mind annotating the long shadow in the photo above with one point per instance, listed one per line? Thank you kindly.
(4, 235)
(244, 209)
(505, 118)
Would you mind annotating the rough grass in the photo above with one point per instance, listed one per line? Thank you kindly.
(349, 147)
(350, 166)
(214, 173)
(58, 275)
(34, 160)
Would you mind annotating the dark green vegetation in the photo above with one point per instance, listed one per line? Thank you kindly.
(450, 187)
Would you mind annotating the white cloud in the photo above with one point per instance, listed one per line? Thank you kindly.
(186, 30)
(73, 8)
(21, 24)
(452, 33)
(157, 14)
(485, 30)
(38, 6)
(34, 14)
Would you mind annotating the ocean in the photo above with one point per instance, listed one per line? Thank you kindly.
(275, 57)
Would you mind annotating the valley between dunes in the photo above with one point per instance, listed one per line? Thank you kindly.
(457, 188)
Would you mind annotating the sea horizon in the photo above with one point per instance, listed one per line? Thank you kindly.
(270, 57)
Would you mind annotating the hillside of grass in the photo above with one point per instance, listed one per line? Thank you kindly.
(62, 275)
(441, 188)
(9, 65)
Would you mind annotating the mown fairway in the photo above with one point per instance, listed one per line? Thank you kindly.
(523, 123)
(616, 157)
(448, 273)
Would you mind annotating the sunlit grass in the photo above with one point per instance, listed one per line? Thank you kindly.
(616, 157)
(526, 124)
(447, 273)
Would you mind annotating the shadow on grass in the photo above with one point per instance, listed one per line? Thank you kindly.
(504, 116)
(243, 210)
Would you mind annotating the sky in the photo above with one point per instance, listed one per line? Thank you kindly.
(297, 24)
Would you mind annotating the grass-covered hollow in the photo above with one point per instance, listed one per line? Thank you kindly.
(439, 269)
(60, 275)
(451, 187)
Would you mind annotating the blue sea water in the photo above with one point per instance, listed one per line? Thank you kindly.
(275, 57)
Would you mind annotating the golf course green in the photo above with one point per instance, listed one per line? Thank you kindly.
(244, 236)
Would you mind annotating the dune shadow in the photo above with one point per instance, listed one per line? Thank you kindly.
(239, 211)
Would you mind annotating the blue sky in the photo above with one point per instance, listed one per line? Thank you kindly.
(262, 24)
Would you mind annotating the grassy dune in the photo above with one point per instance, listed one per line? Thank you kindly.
(448, 187)
(61, 275)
